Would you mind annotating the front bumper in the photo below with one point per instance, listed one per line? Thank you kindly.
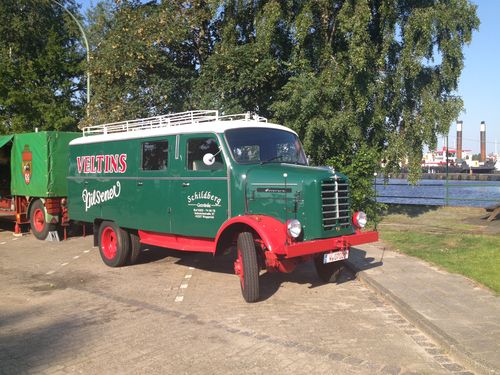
(299, 249)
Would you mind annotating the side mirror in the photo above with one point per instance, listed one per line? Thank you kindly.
(208, 159)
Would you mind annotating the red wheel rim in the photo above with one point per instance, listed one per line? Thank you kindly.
(39, 220)
(238, 269)
(109, 242)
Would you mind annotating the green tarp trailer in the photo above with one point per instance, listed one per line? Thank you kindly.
(39, 164)
(38, 170)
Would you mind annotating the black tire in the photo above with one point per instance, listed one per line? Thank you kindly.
(247, 256)
(135, 248)
(329, 272)
(39, 226)
(114, 244)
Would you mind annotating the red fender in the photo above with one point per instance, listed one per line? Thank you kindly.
(271, 231)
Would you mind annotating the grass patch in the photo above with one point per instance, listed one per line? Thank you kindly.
(474, 256)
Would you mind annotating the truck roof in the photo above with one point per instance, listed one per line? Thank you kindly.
(173, 124)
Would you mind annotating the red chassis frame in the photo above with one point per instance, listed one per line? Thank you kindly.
(282, 253)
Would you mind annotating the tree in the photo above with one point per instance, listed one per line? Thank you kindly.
(377, 77)
(248, 65)
(41, 66)
(145, 57)
(360, 81)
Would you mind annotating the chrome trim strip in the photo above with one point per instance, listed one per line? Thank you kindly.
(177, 143)
(271, 183)
(146, 178)
(228, 174)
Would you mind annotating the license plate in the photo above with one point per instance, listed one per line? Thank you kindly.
(336, 256)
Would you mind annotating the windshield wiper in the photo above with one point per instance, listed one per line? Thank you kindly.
(270, 160)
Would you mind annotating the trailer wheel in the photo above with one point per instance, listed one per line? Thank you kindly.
(135, 247)
(114, 244)
(329, 272)
(39, 226)
(246, 267)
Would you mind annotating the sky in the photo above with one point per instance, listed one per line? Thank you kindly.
(480, 81)
(479, 84)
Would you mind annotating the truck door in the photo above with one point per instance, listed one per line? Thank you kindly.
(201, 192)
(154, 184)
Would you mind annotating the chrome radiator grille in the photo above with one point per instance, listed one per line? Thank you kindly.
(335, 204)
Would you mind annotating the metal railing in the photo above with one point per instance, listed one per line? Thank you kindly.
(174, 119)
(446, 194)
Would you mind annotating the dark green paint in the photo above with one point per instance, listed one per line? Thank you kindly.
(165, 201)
(49, 152)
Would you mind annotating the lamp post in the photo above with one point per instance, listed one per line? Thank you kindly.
(86, 47)
(447, 172)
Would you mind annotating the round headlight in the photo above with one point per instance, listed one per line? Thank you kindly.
(359, 219)
(294, 228)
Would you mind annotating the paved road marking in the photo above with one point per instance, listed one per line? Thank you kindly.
(184, 284)
(65, 263)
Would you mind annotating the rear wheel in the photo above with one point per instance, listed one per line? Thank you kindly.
(329, 272)
(39, 226)
(114, 244)
(246, 267)
(135, 247)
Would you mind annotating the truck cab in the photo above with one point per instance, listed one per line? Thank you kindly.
(197, 181)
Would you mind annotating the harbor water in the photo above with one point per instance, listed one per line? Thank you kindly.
(438, 192)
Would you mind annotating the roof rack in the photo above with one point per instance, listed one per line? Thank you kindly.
(173, 119)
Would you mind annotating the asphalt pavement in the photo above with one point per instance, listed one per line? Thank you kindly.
(62, 311)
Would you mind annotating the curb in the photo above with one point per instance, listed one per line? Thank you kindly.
(442, 338)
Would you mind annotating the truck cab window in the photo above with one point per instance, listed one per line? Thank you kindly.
(265, 145)
(154, 155)
(197, 148)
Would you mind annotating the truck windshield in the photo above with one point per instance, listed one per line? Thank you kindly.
(265, 145)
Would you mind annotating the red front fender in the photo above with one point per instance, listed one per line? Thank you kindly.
(271, 231)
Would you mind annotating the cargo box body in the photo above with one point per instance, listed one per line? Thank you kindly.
(33, 184)
(39, 164)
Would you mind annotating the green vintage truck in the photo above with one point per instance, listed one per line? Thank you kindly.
(197, 181)
(33, 187)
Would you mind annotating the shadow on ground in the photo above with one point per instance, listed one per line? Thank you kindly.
(362, 262)
(23, 346)
(270, 282)
(408, 210)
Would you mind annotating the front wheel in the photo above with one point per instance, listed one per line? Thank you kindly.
(246, 267)
(328, 272)
(114, 244)
(39, 226)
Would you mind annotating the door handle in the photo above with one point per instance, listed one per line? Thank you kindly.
(185, 184)
(140, 183)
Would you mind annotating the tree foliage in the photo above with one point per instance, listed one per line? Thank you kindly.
(361, 81)
(379, 75)
(40, 66)
(145, 57)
